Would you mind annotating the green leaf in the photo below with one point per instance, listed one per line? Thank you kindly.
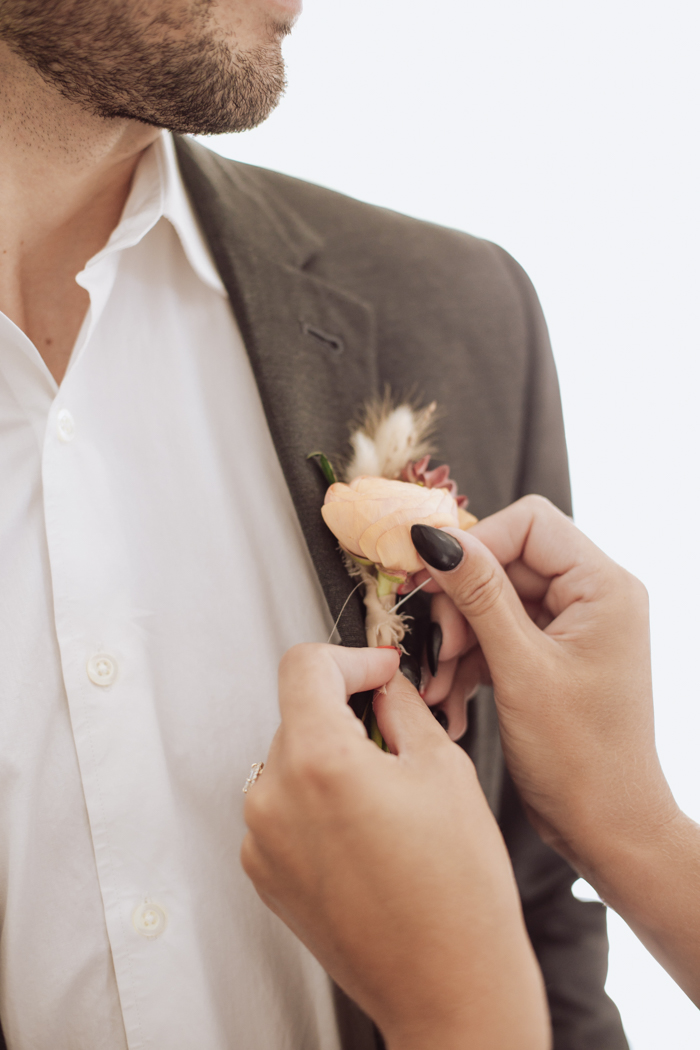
(325, 465)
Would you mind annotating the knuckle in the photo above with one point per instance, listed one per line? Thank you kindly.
(257, 811)
(462, 764)
(289, 662)
(639, 590)
(480, 591)
(614, 578)
(255, 867)
(536, 502)
(249, 857)
(638, 595)
(298, 657)
(451, 760)
(318, 769)
(540, 507)
(534, 499)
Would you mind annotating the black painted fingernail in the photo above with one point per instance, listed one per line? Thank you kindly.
(410, 668)
(433, 647)
(439, 549)
(441, 717)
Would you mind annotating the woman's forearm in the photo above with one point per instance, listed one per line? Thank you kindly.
(652, 879)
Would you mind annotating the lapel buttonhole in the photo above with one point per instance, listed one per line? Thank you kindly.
(331, 342)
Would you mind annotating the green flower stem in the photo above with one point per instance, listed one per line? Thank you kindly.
(370, 723)
(375, 734)
(386, 584)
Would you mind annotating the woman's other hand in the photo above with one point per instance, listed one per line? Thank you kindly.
(390, 867)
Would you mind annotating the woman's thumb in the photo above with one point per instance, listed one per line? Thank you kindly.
(404, 720)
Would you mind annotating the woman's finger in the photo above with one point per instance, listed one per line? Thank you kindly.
(533, 531)
(315, 681)
(457, 636)
(438, 688)
(530, 585)
(471, 673)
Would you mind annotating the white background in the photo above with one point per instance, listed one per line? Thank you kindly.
(568, 133)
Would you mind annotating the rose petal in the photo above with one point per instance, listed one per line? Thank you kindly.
(395, 547)
(372, 517)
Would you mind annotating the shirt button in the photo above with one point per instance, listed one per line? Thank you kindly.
(149, 919)
(65, 424)
(101, 669)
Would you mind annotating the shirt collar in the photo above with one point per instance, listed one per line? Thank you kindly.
(178, 211)
(157, 191)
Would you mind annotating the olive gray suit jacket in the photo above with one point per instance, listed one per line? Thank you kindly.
(336, 300)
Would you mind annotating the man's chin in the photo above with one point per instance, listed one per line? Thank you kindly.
(211, 78)
(191, 119)
(285, 12)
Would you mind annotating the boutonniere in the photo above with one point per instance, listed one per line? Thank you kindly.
(374, 499)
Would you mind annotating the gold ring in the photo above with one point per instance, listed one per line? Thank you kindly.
(255, 771)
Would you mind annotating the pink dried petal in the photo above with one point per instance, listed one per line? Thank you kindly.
(408, 585)
(438, 478)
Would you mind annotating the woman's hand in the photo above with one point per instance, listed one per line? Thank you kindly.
(571, 673)
(390, 867)
(564, 634)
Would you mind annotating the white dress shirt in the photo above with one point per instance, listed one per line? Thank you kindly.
(152, 572)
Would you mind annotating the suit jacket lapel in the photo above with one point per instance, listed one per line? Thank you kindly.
(311, 345)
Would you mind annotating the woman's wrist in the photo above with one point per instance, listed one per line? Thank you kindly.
(625, 866)
(606, 829)
(650, 877)
(504, 1008)
(523, 1036)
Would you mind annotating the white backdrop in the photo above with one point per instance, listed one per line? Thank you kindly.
(568, 133)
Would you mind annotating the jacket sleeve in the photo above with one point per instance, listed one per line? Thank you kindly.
(569, 936)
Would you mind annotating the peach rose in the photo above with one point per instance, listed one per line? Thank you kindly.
(372, 518)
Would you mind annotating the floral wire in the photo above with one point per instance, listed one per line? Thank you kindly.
(335, 625)
(411, 593)
(404, 599)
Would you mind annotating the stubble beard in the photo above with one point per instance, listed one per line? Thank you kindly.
(175, 74)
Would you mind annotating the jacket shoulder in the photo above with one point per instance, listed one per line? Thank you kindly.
(358, 234)
(396, 249)
(333, 213)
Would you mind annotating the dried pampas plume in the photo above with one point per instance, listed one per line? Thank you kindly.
(388, 438)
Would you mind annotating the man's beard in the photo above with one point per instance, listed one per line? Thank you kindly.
(170, 72)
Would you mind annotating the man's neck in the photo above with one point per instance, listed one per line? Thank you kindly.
(64, 179)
